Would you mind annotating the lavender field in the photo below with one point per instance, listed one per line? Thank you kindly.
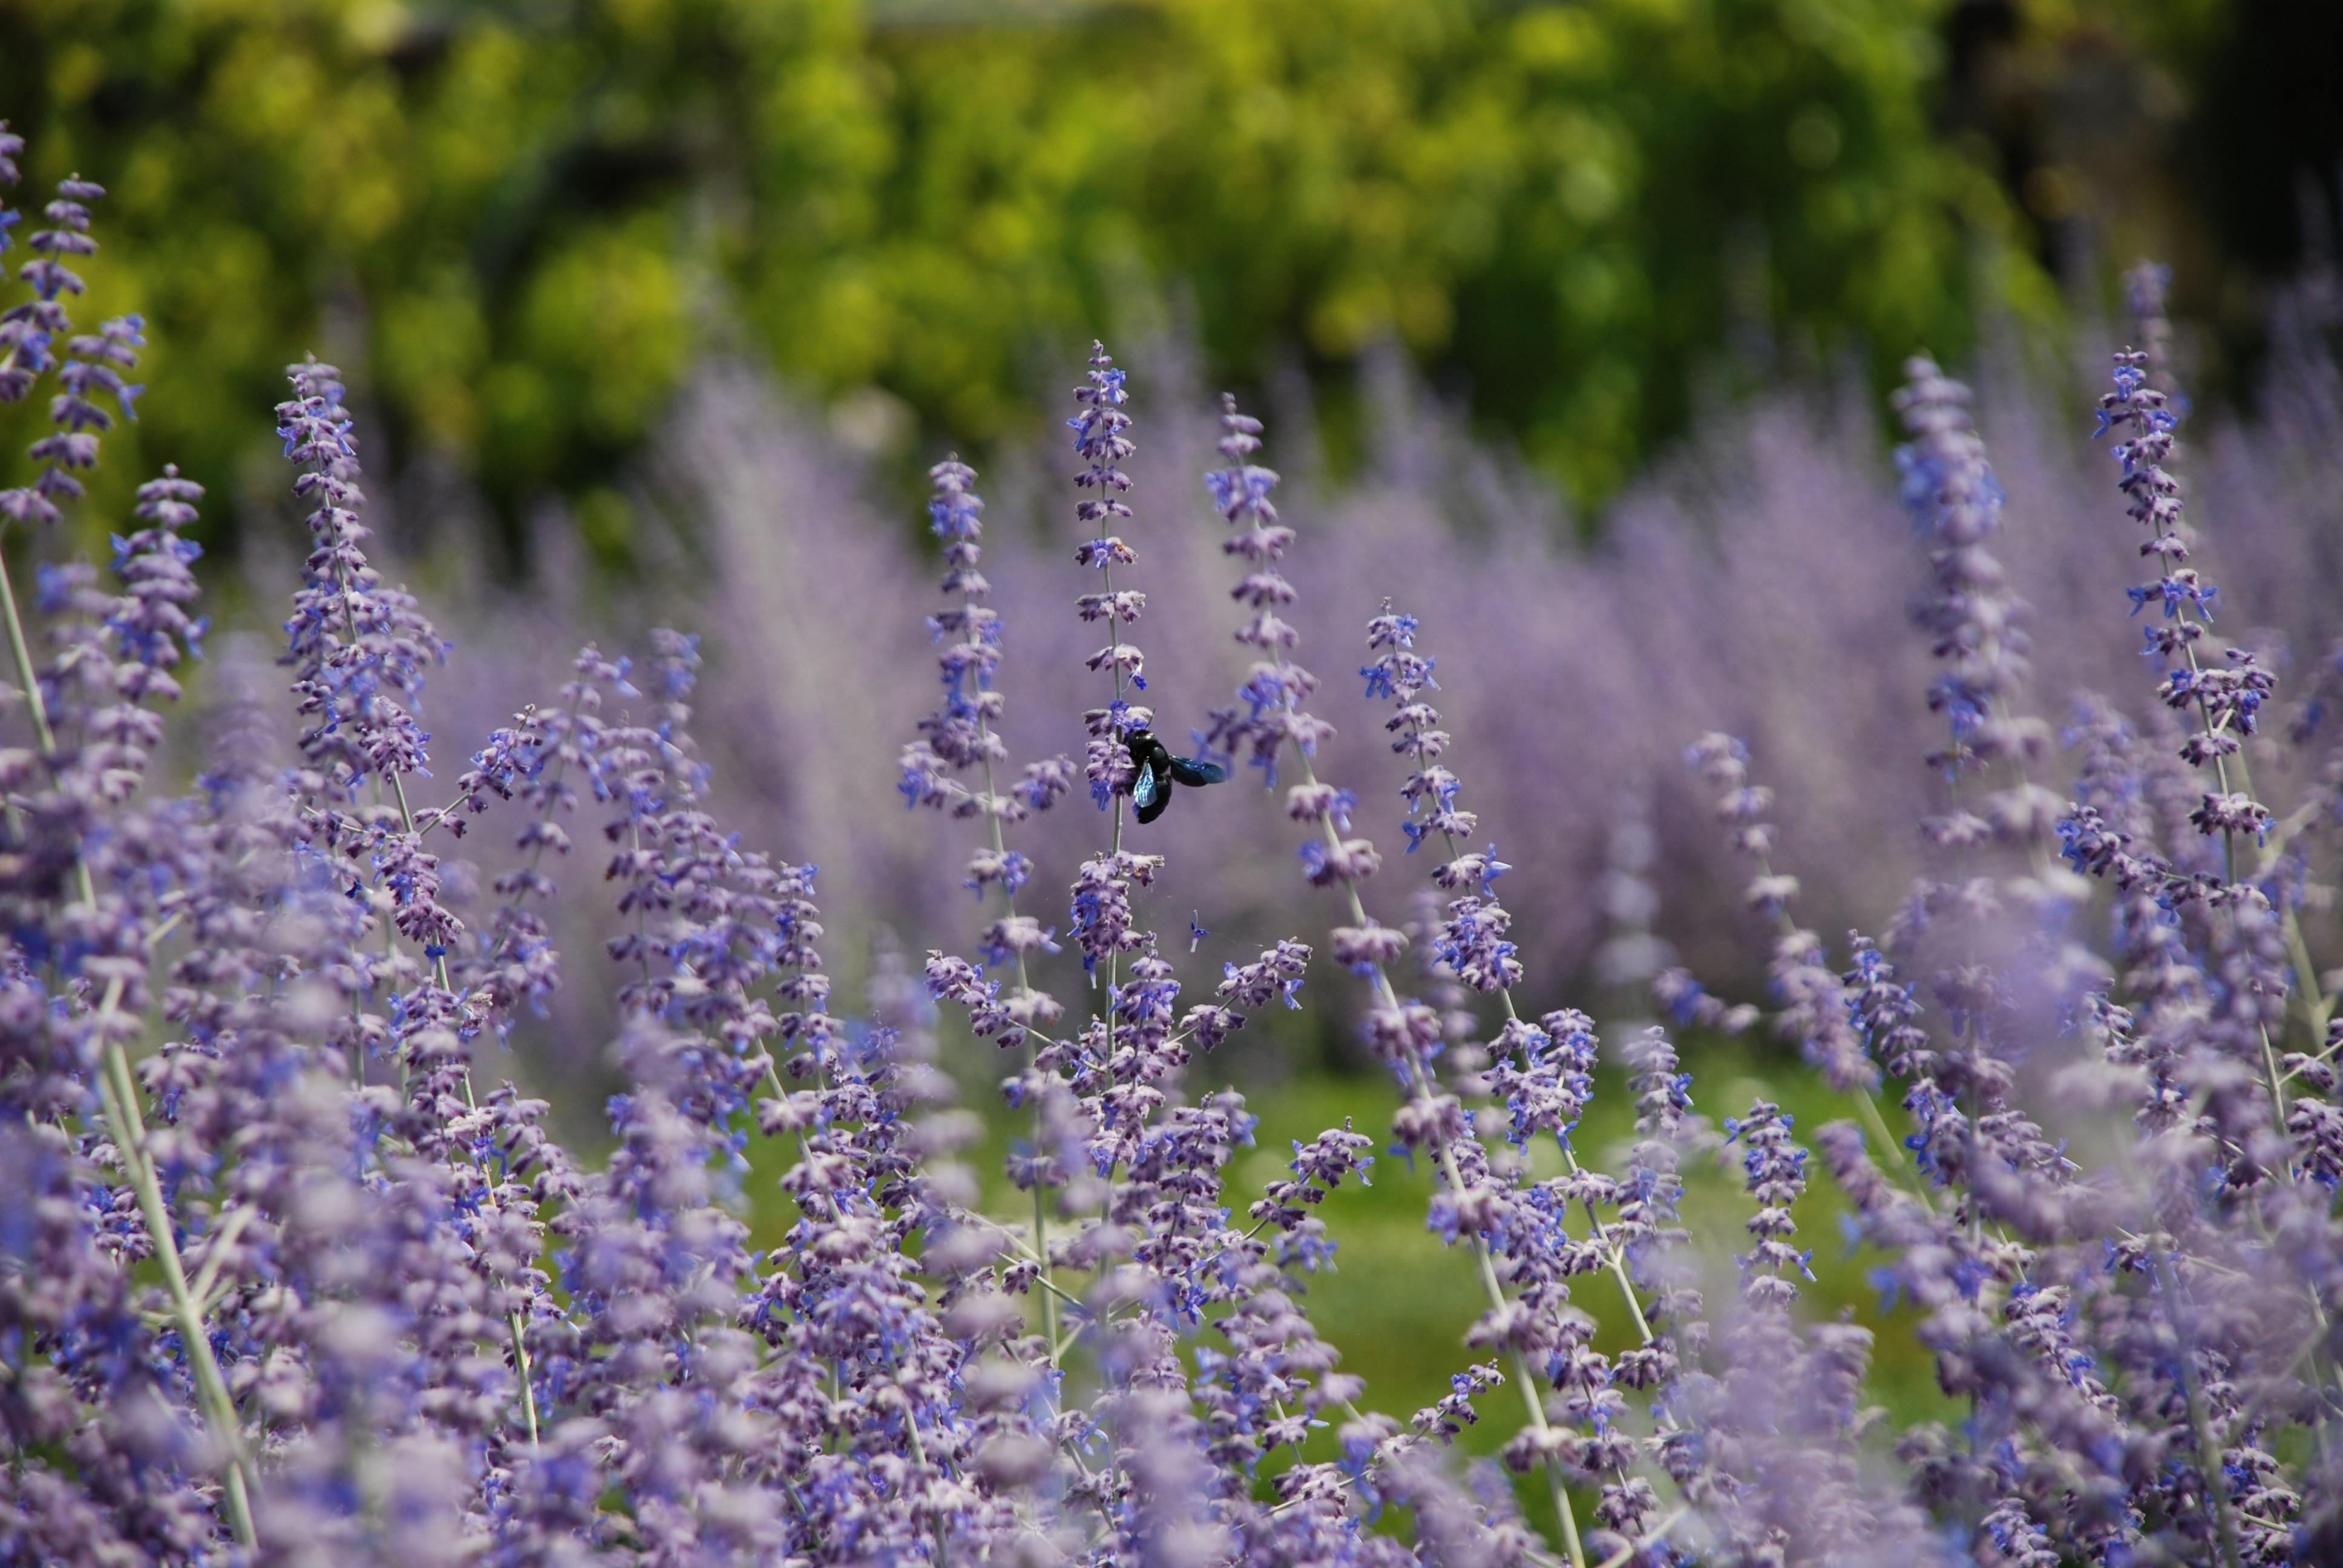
(1790, 1024)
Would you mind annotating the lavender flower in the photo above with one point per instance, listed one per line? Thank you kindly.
(1777, 1474)
(1976, 621)
(958, 739)
(90, 366)
(360, 649)
(1136, 1167)
(2225, 700)
(1276, 687)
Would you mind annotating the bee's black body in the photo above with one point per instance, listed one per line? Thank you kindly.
(1158, 771)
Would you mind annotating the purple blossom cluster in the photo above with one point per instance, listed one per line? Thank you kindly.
(286, 1275)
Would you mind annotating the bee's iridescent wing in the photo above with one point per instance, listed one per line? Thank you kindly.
(1196, 771)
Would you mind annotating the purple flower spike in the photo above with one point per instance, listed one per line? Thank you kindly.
(90, 368)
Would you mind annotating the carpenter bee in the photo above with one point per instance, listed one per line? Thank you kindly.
(1158, 770)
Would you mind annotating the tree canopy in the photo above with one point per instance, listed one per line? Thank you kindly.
(517, 222)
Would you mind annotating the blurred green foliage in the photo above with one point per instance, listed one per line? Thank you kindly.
(517, 221)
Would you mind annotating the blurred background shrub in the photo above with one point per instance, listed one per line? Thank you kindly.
(520, 223)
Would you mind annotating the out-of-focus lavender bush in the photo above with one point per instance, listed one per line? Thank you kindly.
(1760, 583)
(290, 1273)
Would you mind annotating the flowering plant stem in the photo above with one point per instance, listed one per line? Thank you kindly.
(119, 1095)
(1024, 985)
(406, 824)
(1420, 1082)
(1615, 1253)
(23, 653)
(119, 1098)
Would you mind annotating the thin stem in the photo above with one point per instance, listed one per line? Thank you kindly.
(1041, 1208)
(2317, 1007)
(1106, 581)
(1867, 1105)
(118, 1095)
(216, 1248)
(992, 804)
(1025, 987)
(38, 708)
(528, 1385)
(2276, 1082)
(34, 702)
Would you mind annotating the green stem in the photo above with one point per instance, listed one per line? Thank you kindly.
(528, 1390)
(228, 1228)
(38, 708)
(2316, 1006)
(1867, 1105)
(1014, 1239)
(23, 654)
(118, 1095)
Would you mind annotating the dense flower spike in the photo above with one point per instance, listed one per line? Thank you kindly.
(1173, 1451)
(1118, 1153)
(960, 739)
(1977, 622)
(360, 650)
(1271, 713)
(2091, 1318)
(37, 336)
(2224, 700)
(1515, 1229)
(1471, 942)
